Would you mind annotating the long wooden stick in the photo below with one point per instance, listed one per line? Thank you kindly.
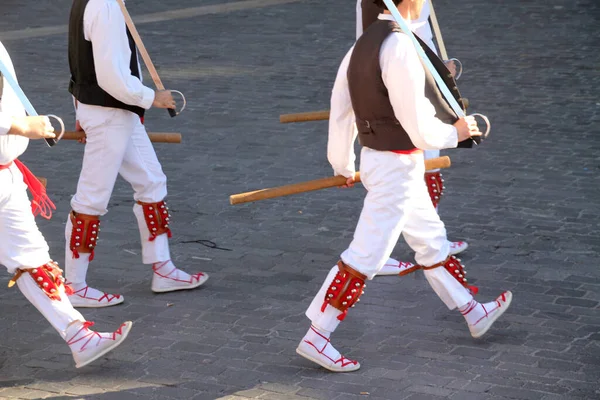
(143, 52)
(321, 115)
(155, 137)
(438, 33)
(323, 183)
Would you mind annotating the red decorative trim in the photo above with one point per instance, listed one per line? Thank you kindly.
(454, 267)
(48, 277)
(435, 186)
(345, 290)
(469, 307)
(457, 270)
(157, 218)
(84, 234)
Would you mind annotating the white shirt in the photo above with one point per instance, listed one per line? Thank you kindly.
(403, 75)
(11, 146)
(419, 26)
(104, 25)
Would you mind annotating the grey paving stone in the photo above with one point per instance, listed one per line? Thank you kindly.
(526, 201)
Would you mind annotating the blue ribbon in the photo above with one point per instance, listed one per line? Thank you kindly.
(438, 79)
(17, 89)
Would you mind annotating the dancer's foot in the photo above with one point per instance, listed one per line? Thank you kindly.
(168, 278)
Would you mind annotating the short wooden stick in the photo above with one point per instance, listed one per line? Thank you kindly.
(304, 117)
(155, 137)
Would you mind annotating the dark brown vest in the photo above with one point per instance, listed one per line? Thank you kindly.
(377, 125)
(84, 84)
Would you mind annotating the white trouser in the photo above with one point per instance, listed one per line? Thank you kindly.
(22, 246)
(117, 144)
(397, 202)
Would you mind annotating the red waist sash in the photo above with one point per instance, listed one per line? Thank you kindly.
(41, 203)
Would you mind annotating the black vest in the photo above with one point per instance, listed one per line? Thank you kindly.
(84, 84)
(377, 125)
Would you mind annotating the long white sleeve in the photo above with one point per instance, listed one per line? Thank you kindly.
(359, 28)
(403, 75)
(104, 25)
(342, 125)
(11, 146)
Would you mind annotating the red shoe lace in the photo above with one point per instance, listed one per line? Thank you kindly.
(195, 277)
(107, 296)
(342, 360)
(472, 304)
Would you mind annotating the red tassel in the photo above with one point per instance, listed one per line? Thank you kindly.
(41, 203)
(474, 290)
(92, 256)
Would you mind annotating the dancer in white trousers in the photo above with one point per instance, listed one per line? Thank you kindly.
(110, 100)
(380, 88)
(366, 13)
(23, 249)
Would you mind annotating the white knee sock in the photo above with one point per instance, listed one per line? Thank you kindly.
(475, 312)
(75, 268)
(167, 269)
(319, 339)
(155, 251)
(59, 313)
(326, 320)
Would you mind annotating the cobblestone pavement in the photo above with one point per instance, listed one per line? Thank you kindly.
(526, 201)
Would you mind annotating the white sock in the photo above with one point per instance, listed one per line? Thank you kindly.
(166, 269)
(475, 312)
(75, 268)
(78, 286)
(319, 339)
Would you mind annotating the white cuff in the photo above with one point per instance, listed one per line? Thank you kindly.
(147, 98)
(345, 172)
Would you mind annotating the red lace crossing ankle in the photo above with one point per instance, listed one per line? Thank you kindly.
(85, 336)
(83, 292)
(168, 270)
(475, 312)
(343, 361)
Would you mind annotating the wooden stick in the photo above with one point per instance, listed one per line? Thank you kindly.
(155, 137)
(304, 117)
(323, 183)
(320, 115)
(438, 33)
(143, 52)
(44, 181)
